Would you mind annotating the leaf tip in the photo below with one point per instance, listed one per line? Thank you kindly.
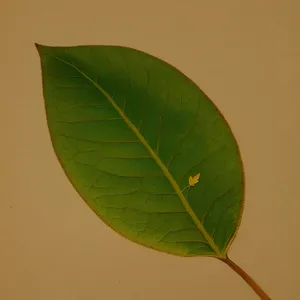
(40, 47)
(37, 46)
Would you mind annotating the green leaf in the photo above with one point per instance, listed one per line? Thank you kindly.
(129, 130)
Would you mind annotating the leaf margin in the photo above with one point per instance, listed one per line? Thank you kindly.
(222, 255)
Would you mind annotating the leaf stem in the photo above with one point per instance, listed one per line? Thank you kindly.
(256, 288)
(187, 193)
(185, 188)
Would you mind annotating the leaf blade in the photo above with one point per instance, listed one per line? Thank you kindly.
(150, 148)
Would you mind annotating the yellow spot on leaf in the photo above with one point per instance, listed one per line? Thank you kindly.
(194, 180)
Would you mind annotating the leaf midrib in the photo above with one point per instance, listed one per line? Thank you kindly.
(154, 156)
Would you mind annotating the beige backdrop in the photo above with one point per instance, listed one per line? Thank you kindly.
(246, 56)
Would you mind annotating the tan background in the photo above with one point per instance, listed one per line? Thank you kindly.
(246, 56)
